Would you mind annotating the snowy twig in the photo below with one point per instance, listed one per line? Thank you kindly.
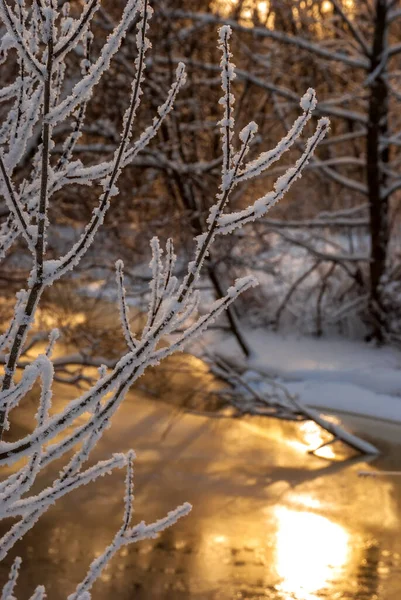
(52, 34)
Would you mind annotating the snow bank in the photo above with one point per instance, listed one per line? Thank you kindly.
(332, 374)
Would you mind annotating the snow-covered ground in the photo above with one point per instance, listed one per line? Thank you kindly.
(337, 375)
(333, 374)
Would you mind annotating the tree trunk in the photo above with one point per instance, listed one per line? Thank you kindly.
(376, 177)
(231, 314)
(189, 202)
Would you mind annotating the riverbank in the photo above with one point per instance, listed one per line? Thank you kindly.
(336, 375)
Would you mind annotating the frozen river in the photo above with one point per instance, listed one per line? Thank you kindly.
(269, 520)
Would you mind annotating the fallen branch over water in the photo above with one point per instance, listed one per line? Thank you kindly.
(379, 473)
(249, 398)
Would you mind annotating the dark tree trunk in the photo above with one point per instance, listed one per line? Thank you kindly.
(189, 202)
(376, 177)
(231, 314)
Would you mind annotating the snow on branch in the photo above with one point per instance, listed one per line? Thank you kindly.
(39, 593)
(195, 330)
(6, 337)
(29, 114)
(227, 100)
(8, 589)
(172, 320)
(74, 36)
(162, 112)
(56, 269)
(129, 338)
(85, 175)
(62, 487)
(79, 115)
(26, 477)
(84, 88)
(266, 159)
(229, 222)
(123, 538)
(14, 30)
(156, 267)
(14, 206)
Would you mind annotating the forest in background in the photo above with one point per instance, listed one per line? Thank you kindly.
(328, 256)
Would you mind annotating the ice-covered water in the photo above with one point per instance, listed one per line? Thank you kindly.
(269, 520)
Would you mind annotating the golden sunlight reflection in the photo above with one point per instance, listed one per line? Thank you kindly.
(312, 436)
(220, 539)
(305, 501)
(302, 437)
(310, 550)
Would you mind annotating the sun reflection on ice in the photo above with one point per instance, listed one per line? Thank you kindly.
(314, 437)
(220, 539)
(311, 437)
(310, 550)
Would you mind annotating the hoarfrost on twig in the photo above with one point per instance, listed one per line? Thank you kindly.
(42, 37)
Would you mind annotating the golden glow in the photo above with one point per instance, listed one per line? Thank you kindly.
(219, 539)
(303, 437)
(249, 10)
(310, 550)
(257, 429)
(305, 501)
(261, 9)
(313, 436)
(46, 319)
(347, 5)
(224, 7)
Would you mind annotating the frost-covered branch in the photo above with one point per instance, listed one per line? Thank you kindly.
(56, 269)
(13, 205)
(229, 222)
(266, 159)
(227, 76)
(15, 31)
(79, 30)
(129, 338)
(84, 88)
(124, 537)
(172, 320)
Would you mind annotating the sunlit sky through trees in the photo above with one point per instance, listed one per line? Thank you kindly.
(262, 9)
